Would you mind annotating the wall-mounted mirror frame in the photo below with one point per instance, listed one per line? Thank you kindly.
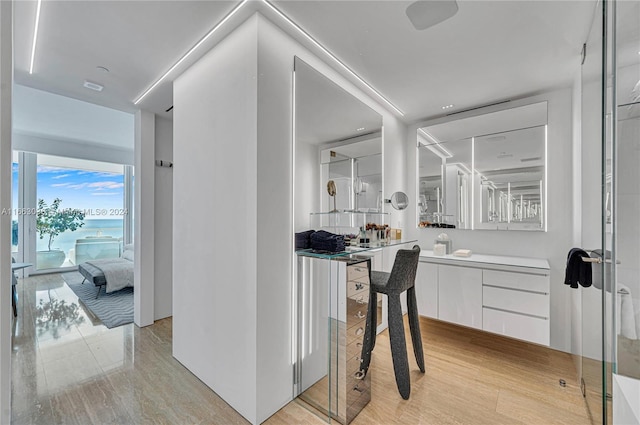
(487, 171)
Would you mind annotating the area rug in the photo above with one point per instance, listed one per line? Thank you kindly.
(113, 309)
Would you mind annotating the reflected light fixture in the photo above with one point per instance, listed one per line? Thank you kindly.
(448, 106)
(360, 129)
(35, 36)
(424, 14)
(436, 141)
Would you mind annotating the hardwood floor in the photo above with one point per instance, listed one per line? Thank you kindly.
(78, 371)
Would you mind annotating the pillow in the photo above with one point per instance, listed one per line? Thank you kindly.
(128, 254)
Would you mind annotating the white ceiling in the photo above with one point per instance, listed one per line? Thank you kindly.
(40, 113)
(488, 51)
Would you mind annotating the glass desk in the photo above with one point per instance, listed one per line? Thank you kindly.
(330, 309)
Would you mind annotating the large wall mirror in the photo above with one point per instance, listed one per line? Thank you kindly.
(484, 172)
(339, 139)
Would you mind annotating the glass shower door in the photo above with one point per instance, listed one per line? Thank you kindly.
(594, 226)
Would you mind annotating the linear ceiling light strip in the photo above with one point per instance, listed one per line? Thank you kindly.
(35, 36)
(186, 55)
(332, 56)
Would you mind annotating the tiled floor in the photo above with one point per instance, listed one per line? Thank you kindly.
(75, 371)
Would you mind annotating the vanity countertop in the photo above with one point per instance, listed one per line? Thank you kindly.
(484, 259)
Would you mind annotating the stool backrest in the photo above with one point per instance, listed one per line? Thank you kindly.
(403, 273)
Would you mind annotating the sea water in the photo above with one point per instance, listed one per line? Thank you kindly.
(92, 227)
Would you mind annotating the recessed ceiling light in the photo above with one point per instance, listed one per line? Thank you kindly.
(448, 106)
(103, 69)
(360, 129)
(93, 86)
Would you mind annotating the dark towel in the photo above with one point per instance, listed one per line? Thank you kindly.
(303, 239)
(577, 270)
(325, 241)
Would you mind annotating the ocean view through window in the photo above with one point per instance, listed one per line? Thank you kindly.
(87, 222)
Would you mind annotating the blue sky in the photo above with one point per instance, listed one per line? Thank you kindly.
(81, 189)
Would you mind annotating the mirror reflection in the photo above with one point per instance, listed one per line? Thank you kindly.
(484, 172)
(445, 182)
(338, 188)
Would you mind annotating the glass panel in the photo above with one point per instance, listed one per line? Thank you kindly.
(624, 209)
(592, 132)
(80, 211)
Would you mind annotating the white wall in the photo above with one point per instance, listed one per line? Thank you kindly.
(144, 218)
(163, 243)
(80, 149)
(6, 313)
(553, 244)
(41, 113)
(233, 182)
(215, 219)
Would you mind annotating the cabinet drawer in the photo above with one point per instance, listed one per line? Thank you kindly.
(354, 349)
(356, 333)
(527, 282)
(516, 301)
(357, 271)
(356, 310)
(516, 326)
(354, 287)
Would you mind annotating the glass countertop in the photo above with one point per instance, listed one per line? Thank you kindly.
(352, 249)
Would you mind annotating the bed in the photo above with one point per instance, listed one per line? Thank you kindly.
(113, 273)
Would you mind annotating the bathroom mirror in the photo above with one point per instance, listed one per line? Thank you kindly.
(484, 172)
(444, 183)
(399, 200)
(336, 138)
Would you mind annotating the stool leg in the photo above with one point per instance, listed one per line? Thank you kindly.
(398, 346)
(14, 300)
(414, 325)
(369, 331)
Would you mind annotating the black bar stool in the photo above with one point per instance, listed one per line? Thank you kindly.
(402, 278)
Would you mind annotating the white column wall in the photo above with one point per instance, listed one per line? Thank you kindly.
(233, 182)
(143, 296)
(553, 244)
(215, 219)
(6, 313)
(163, 227)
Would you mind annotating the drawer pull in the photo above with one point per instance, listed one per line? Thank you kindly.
(359, 344)
(359, 375)
(359, 315)
(359, 331)
(358, 389)
(360, 300)
(359, 269)
(359, 286)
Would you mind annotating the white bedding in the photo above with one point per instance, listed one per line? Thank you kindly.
(118, 272)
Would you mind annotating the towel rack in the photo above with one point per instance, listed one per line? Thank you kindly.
(596, 260)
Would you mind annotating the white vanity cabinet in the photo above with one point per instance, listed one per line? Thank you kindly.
(505, 295)
(460, 295)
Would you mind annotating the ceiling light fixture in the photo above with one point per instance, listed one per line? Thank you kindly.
(35, 36)
(360, 129)
(332, 56)
(425, 14)
(93, 86)
(448, 106)
(186, 55)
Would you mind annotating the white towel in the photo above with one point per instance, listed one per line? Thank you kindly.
(627, 325)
